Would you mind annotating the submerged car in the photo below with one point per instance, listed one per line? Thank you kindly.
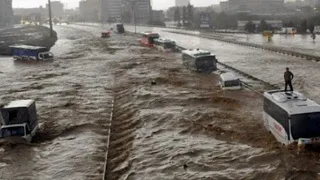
(229, 81)
(19, 119)
(148, 39)
(165, 45)
(199, 60)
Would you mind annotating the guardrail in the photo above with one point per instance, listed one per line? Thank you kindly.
(268, 48)
(105, 169)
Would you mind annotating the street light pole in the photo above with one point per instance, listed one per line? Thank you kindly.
(50, 18)
(134, 18)
(133, 6)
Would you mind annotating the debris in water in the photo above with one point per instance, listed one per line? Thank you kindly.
(185, 166)
(153, 83)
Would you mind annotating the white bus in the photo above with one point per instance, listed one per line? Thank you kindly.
(291, 117)
(199, 60)
(229, 81)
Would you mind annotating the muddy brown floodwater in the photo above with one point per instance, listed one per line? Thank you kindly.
(183, 127)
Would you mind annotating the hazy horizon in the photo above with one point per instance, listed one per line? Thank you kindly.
(156, 4)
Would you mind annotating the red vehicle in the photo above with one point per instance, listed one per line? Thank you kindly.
(106, 34)
(148, 38)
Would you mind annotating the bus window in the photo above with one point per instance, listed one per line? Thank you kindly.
(305, 125)
(205, 63)
(277, 113)
(232, 83)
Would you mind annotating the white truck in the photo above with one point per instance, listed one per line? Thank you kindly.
(19, 119)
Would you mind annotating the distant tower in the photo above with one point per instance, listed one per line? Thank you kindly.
(182, 2)
(6, 13)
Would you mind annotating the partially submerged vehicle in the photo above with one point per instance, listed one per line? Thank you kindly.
(199, 60)
(26, 52)
(291, 117)
(229, 81)
(119, 28)
(106, 34)
(165, 45)
(19, 119)
(148, 38)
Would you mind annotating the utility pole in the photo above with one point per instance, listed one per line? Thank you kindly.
(133, 7)
(50, 18)
(134, 17)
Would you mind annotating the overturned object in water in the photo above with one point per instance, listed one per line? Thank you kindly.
(19, 119)
(153, 82)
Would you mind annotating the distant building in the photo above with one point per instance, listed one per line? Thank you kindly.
(312, 3)
(157, 16)
(88, 10)
(255, 7)
(57, 9)
(24, 12)
(143, 11)
(273, 23)
(182, 2)
(30, 14)
(111, 10)
(115, 10)
(6, 13)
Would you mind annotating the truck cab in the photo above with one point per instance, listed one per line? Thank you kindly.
(19, 130)
(19, 119)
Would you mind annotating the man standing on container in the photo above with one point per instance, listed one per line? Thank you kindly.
(288, 76)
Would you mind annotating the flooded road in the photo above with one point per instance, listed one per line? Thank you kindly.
(300, 43)
(73, 103)
(182, 127)
(265, 65)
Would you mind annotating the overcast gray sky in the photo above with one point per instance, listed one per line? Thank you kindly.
(157, 4)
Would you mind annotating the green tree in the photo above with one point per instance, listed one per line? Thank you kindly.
(177, 16)
(311, 27)
(224, 21)
(303, 26)
(170, 13)
(190, 13)
(263, 26)
(184, 15)
(250, 27)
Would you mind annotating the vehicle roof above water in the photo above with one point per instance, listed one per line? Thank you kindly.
(19, 104)
(27, 47)
(151, 34)
(228, 76)
(197, 52)
(162, 40)
(293, 102)
(14, 125)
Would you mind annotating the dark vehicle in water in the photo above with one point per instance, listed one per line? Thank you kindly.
(199, 60)
(19, 119)
(165, 45)
(118, 28)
